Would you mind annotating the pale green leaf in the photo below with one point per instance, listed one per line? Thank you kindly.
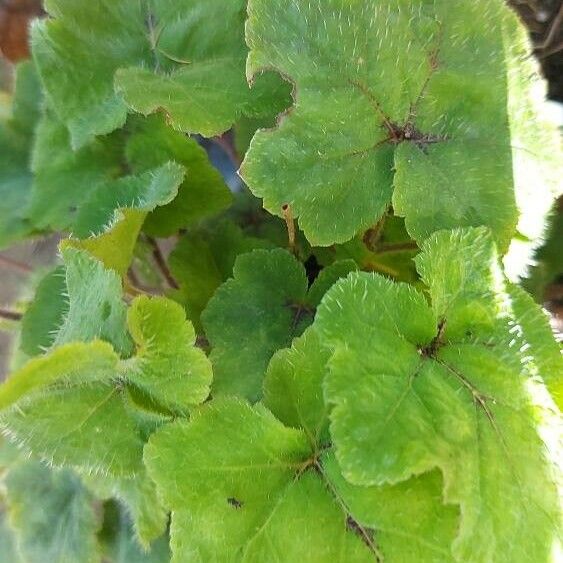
(52, 514)
(409, 396)
(394, 100)
(110, 219)
(537, 152)
(68, 364)
(84, 427)
(167, 366)
(242, 487)
(544, 351)
(293, 386)
(95, 306)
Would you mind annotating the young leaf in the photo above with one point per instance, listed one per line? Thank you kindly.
(52, 514)
(92, 383)
(392, 80)
(113, 214)
(75, 363)
(95, 306)
(83, 427)
(167, 365)
(257, 497)
(409, 395)
(185, 59)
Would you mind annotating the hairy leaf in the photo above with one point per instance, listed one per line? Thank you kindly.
(384, 111)
(167, 365)
(257, 312)
(414, 388)
(95, 306)
(186, 59)
(63, 406)
(258, 496)
(112, 216)
(542, 349)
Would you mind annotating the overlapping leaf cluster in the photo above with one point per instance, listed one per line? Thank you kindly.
(190, 385)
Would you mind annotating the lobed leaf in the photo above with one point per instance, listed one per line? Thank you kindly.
(410, 395)
(185, 59)
(257, 312)
(256, 499)
(384, 112)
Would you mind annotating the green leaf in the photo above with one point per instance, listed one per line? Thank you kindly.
(410, 395)
(93, 386)
(185, 59)
(409, 521)
(52, 514)
(257, 312)
(203, 192)
(120, 544)
(76, 427)
(45, 313)
(394, 101)
(113, 214)
(251, 316)
(536, 152)
(242, 487)
(138, 494)
(204, 259)
(95, 306)
(76, 363)
(167, 365)
(65, 179)
(16, 135)
(293, 386)
(542, 349)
